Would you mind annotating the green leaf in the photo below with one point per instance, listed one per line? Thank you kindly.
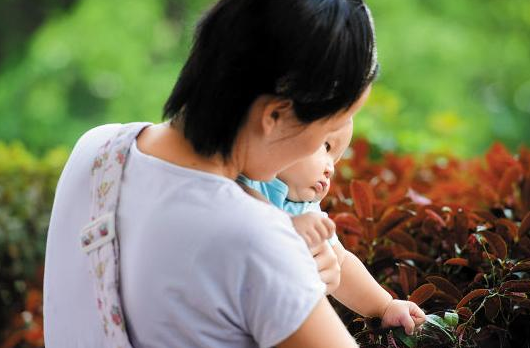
(451, 319)
(409, 341)
(434, 323)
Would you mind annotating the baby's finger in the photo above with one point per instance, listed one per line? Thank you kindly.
(328, 275)
(322, 231)
(307, 240)
(417, 314)
(316, 239)
(326, 259)
(330, 227)
(318, 249)
(408, 324)
(418, 321)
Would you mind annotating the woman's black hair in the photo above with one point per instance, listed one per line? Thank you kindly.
(320, 54)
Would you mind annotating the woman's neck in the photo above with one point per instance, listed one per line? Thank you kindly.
(168, 143)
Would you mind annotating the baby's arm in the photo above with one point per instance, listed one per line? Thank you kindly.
(360, 292)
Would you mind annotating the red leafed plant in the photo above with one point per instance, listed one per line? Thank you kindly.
(450, 235)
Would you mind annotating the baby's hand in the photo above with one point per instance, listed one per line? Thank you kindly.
(313, 227)
(328, 266)
(403, 313)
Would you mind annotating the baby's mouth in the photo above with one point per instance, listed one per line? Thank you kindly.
(320, 186)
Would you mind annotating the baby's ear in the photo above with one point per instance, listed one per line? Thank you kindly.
(276, 112)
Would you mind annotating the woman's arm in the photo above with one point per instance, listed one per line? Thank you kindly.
(321, 329)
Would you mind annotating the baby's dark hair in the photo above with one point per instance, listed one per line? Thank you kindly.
(320, 54)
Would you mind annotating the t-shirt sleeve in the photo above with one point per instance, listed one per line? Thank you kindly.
(281, 285)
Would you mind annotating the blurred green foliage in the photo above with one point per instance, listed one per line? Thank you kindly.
(27, 187)
(455, 74)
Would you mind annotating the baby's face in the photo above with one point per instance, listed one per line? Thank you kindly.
(309, 179)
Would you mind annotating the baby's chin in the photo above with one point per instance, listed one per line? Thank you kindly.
(318, 198)
(320, 195)
(313, 196)
(305, 195)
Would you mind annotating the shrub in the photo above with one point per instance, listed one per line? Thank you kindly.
(27, 187)
(452, 236)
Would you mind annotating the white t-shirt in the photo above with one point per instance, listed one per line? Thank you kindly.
(202, 263)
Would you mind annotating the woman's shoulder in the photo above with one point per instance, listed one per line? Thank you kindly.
(98, 134)
(91, 140)
(238, 212)
(259, 224)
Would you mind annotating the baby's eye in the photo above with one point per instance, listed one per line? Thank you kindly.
(328, 146)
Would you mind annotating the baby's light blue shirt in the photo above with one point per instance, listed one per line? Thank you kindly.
(276, 192)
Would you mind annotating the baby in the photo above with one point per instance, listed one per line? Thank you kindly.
(298, 191)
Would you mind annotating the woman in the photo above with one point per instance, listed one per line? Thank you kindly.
(201, 263)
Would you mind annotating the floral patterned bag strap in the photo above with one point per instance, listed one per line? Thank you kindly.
(98, 238)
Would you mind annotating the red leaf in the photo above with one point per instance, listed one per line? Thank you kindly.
(525, 225)
(422, 294)
(347, 223)
(398, 249)
(516, 285)
(446, 286)
(524, 158)
(517, 296)
(524, 303)
(403, 281)
(363, 199)
(435, 217)
(391, 219)
(479, 277)
(497, 244)
(361, 251)
(472, 295)
(33, 300)
(464, 313)
(488, 256)
(521, 267)
(447, 299)
(461, 227)
(407, 278)
(14, 339)
(492, 307)
(506, 228)
(403, 238)
(509, 178)
(457, 261)
(460, 330)
(415, 257)
(499, 158)
(525, 193)
(361, 151)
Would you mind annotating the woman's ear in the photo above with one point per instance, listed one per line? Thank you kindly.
(276, 112)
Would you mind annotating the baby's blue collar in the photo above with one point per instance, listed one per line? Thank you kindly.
(278, 191)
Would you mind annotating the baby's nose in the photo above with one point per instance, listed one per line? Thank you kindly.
(328, 171)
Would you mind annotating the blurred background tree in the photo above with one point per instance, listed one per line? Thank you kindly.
(455, 74)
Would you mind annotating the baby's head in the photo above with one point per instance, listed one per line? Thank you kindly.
(309, 179)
